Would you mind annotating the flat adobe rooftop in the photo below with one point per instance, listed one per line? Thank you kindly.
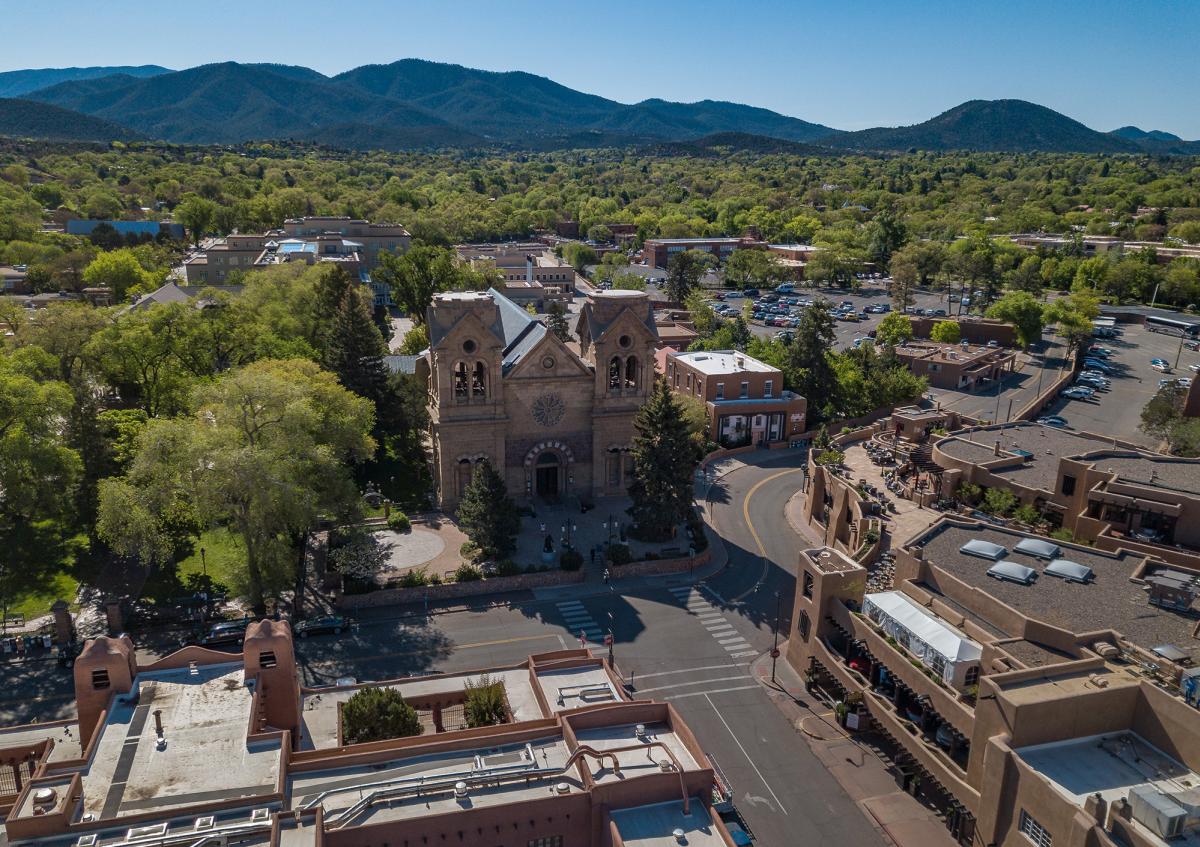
(206, 716)
(723, 363)
(1110, 602)
(652, 826)
(1112, 765)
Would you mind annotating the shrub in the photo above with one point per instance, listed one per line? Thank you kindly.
(377, 714)
(619, 554)
(570, 560)
(399, 522)
(468, 573)
(507, 567)
(485, 702)
(435, 579)
(998, 501)
(469, 551)
(830, 457)
(968, 492)
(1062, 534)
(414, 579)
(872, 535)
(1026, 513)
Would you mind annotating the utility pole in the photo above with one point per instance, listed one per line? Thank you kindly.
(775, 644)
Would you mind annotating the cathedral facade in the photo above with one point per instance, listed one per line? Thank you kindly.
(554, 418)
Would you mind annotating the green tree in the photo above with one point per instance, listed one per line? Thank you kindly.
(1023, 311)
(1164, 411)
(664, 460)
(752, 268)
(197, 215)
(378, 713)
(424, 270)
(999, 501)
(38, 471)
(808, 369)
(946, 332)
(487, 515)
(579, 255)
(895, 329)
(485, 704)
(684, 272)
(556, 321)
(266, 450)
(1073, 316)
(138, 357)
(118, 270)
(354, 350)
(629, 282)
(414, 341)
(599, 233)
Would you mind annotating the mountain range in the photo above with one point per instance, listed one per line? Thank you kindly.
(413, 104)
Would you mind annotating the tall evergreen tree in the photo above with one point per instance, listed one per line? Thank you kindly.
(808, 364)
(664, 458)
(556, 321)
(354, 350)
(487, 514)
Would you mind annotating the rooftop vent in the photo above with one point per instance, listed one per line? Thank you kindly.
(460, 789)
(206, 822)
(88, 840)
(44, 797)
(640, 730)
(679, 835)
(563, 788)
(260, 815)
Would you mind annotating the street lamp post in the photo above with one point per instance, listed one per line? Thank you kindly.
(775, 644)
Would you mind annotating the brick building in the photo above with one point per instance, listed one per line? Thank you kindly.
(745, 398)
(658, 251)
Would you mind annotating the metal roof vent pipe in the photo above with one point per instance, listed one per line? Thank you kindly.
(639, 731)
(460, 789)
(161, 743)
(679, 835)
(563, 788)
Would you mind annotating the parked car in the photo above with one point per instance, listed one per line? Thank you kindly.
(316, 626)
(1056, 421)
(1194, 368)
(1097, 365)
(785, 288)
(751, 292)
(1160, 365)
(1098, 351)
(1079, 392)
(226, 632)
(1192, 345)
(1093, 382)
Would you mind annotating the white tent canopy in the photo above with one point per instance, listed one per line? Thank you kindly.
(920, 633)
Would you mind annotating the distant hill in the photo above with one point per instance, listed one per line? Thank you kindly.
(413, 104)
(16, 83)
(27, 119)
(230, 102)
(407, 103)
(989, 125)
(1133, 133)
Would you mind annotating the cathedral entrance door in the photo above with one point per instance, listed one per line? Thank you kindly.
(547, 476)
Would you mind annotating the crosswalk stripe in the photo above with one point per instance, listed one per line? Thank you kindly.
(724, 641)
(713, 629)
(710, 616)
(732, 648)
(743, 655)
(713, 620)
(578, 616)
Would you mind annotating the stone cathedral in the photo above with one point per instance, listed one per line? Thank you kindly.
(555, 418)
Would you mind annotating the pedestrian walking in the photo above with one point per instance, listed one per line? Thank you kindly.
(606, 576)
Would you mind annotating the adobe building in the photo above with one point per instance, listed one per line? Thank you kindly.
(1106, 492)
(554, 418)
(745, 398)
(1060, 709)
(206, 748)
(959, 367)
(972, 329)
(530, 274)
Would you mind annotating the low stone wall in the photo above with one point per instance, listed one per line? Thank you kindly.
(655, 567)
(1035, 406)
(455, 590)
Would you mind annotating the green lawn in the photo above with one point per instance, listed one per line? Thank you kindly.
(224, 556)
(46, 565)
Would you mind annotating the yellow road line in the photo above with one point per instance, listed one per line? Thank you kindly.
(762, 551)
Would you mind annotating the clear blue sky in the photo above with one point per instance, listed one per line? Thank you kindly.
(844, 63)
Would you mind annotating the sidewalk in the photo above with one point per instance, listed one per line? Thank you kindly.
(864, 776)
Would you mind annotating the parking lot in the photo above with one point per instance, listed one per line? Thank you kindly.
(1117, 411)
